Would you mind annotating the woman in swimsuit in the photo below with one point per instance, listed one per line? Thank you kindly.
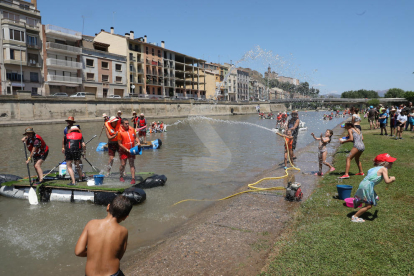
(356, 119)
(356, 137)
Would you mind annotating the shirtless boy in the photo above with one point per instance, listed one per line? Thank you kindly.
(104, 241)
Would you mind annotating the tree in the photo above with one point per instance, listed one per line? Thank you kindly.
(409, 95)
(362, 93)
(373, 102)
(394, 93)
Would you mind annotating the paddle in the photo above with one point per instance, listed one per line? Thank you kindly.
(65, 159)
(94, 168)
(101, 131)
(32, 194)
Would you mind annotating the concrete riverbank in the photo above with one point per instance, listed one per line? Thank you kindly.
(235, 236)
(22, 111)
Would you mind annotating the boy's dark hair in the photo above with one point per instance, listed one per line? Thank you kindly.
(124, 120)
(356, 110)
(330, 132)
(120, 207)
(349, 125)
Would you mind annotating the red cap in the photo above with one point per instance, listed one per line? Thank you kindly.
(385, 157)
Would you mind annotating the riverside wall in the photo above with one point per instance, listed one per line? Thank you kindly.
(15, 111)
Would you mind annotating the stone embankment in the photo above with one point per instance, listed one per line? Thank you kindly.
(19, 110)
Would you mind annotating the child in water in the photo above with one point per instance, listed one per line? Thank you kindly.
(289, 139)
(323, 141)
(365, 193)
(103, 241)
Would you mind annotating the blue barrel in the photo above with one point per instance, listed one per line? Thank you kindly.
(101, 147)
(98, 179)
(344, 191)
(137, 150)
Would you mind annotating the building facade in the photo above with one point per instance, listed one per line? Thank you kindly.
(103, 73)
(21, 47)
(243, 80)
(61, 55)
(156, 72)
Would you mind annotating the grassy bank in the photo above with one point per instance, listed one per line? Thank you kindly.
(324, 241)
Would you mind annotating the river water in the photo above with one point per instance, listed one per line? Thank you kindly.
(202, 159)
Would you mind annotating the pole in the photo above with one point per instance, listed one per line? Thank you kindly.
(21, 70)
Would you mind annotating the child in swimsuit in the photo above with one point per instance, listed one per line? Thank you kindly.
(323, 141)
(289, 139)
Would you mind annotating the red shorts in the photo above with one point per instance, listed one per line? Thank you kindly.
(125, 155)
(142, 132)
(112, 148)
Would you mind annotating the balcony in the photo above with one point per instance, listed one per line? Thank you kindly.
(22, 5)
(62, 32)
(67, 79)
(140, 71)
(65, 64)
(140, 60)
(12, 21)
(33, 46)
(63, 48)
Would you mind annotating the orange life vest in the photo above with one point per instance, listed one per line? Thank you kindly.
(127, 137)
(112, 131)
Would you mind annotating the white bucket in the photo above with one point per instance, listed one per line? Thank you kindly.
(62, 169)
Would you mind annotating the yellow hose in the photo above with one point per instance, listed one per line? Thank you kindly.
(252, 186)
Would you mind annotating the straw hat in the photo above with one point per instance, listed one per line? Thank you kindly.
(71, 119)
(113, 119)
(28, 130)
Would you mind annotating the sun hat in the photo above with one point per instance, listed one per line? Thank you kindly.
(28, 130)
(142, 114)
(119, 111)
(134, 112)
(74, 128)
(384, 157)
(113, 119)
(71, 119)
(104, 115)
(393, 109)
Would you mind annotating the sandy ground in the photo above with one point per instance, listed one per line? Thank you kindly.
(235, 236)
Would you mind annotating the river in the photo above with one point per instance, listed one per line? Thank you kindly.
(202, 159)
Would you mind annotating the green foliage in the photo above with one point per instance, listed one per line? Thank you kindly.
(409, 95)
(362, 93)
(303, 88)
(322, 239)
(394, 93)
(373, 102)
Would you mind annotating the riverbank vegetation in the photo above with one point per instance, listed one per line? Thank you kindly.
(323, 240)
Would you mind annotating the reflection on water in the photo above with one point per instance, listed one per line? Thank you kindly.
(192, 158)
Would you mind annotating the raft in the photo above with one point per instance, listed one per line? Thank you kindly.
(155, 144)
(56, 189)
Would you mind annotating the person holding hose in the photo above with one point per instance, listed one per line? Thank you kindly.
(127, 139)
(293, 125)
(38, 151)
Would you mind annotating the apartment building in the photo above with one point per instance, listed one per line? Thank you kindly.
(231, 84)
(154, 71)
(61, 55)
(20, 46)
(243, 80)
(103, 73)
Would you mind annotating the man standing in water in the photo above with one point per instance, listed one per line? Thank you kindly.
(112, 130)
(142, 123)
(74, 146)
(104, 241)
(134, 118)
(293, 125)
(38, 151)
(127, 138)
(71, 122)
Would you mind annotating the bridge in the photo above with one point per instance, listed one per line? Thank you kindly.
(339, 100)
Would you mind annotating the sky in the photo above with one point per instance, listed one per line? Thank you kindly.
(335, 46)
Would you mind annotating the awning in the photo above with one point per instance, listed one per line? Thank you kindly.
(17, 84)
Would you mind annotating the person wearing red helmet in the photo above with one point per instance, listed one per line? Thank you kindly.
(365, 193)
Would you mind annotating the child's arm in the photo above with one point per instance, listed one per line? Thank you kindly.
(387, 179)
(313, 135)
(124, 247)
(81, 245)
(350, 139)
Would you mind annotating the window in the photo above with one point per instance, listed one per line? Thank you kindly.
(105, 78)
(31, 22)
(16, 35)
(11, 53)
(159, 91)
(33, 59)
(90, 76)
(13, 76)
(137, 48)
(153, 51)
(131, 56)
(11, 16)
(105, 65)
(34, 90)
(105, 92)
(31, 40)
(130, 46)
(146, 50)
(159, 53)
(118, 67)
(131, 68)
(131, 78)
(89, 62)
(118, 79)
(34, 77)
